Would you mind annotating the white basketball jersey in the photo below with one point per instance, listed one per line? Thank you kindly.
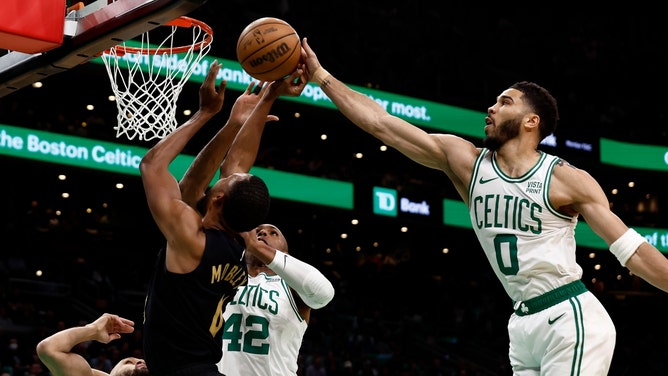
(263, 330)
(530, 245)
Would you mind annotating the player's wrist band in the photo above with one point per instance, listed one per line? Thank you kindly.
(626, 245)
(319, 75)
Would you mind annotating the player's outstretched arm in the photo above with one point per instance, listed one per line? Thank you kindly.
(244, 149)
(163, 193)
(55, 351)
(631, 249)
(431, 150)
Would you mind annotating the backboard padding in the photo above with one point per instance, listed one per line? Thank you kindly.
(89, 35)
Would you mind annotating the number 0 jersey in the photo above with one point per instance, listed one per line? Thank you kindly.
(263, 329)
(529, 244)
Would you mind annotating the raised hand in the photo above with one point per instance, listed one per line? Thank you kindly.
(246, 102)
(211, 98)
(110, 327)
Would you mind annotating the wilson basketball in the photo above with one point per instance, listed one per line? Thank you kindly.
(268, 49)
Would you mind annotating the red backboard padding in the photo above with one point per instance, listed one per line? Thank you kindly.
(31, 26)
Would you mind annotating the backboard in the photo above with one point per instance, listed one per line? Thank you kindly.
(88, 31)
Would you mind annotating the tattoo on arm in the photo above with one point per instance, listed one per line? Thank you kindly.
(562, 163)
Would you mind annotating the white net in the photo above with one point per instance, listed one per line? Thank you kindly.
(147, 79)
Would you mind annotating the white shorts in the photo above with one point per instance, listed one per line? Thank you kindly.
(573, 337)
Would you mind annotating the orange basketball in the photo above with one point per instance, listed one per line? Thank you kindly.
(268, 49)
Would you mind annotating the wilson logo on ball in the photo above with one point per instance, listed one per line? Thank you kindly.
(271, 56)
(269, 49)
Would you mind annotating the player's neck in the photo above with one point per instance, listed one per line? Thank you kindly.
(255, 270)
(515, 162)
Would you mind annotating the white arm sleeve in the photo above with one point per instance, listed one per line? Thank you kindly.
(311, 285)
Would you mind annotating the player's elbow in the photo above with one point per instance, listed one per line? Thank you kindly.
(322, 292)
(146, 165)
(43, 349)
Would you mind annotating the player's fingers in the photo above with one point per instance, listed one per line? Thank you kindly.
(261, 88)
(272, 118)
(250, 87)
(222, 87)
(213, 72)
(294, 75)
(306, 47)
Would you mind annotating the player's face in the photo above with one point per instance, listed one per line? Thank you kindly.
(504, 119)
(505, 131)
(271, 235)
(130, 367)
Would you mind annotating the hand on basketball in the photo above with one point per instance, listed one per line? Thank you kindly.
(292, 85)
(247, 101)
(309, 60)
(211, 98)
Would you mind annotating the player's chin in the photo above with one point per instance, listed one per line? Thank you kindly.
(139, 371)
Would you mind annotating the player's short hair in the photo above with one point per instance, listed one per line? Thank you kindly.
(543, 103)
(246, 204)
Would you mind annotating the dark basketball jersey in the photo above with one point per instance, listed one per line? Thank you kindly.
(183, 312)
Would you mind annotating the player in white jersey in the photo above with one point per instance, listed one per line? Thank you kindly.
(267, 319)
(524, 206)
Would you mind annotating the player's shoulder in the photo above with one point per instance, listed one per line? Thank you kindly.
(569, 173)
(564, 166)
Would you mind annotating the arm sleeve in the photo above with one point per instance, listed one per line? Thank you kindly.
(311, 285)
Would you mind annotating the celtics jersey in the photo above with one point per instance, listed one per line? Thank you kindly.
(529, 244)
(263, 330)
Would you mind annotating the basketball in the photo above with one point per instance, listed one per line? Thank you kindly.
(268, 49)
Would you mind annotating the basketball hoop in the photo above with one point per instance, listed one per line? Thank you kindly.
(146, 93)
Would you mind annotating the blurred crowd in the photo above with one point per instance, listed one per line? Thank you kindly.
(387, 318)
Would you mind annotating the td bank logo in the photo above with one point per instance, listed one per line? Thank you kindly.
(385, 201)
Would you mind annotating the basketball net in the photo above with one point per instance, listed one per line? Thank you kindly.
(147, 80)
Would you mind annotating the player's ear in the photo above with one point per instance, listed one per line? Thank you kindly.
(531, 121)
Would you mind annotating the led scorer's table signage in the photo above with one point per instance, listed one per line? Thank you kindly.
(638, 156)
(124, 159)
(98, 155)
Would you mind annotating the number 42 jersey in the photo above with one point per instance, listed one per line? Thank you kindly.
(263, 330)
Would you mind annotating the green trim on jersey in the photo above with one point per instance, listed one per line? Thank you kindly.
(546, 196)
(474, 173)
(522, 178)
(292, 299)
